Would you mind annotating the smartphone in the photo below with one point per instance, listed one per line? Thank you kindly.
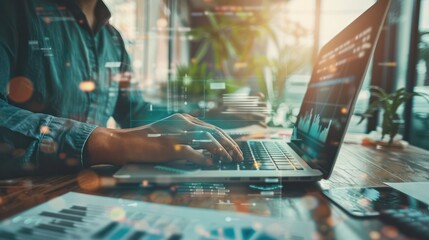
(369, 201)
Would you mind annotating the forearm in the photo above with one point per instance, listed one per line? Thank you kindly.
(166, 140)
(120, 146)
(104, 146)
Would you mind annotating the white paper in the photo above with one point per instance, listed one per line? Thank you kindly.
(82, 216)
(417, 190)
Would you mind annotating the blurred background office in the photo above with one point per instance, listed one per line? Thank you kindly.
(193, 54)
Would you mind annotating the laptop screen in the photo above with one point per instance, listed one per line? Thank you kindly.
(335, 83)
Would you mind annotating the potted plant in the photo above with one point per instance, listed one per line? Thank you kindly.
(389, 104)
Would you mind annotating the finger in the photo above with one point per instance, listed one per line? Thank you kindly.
(203, 139)
(214, 147)
(198, 121)
(187, 153)
(228, 148)
(221, 136)
(230, 139)
(227, 143)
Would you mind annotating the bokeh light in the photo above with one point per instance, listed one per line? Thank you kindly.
(364, 202)
(47, 20)
(44, 129)
(117, 214)
(310, 202)
(62, 156)
(87, 86)
(72, 162)
(162, 23)
(177, 148)
(390, 232)
(145, 183)
(374, 235)
(88, 180)
(20, 89)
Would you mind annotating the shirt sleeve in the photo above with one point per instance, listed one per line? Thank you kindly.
(32, 143)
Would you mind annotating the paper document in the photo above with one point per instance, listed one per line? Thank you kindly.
(81, 216)
(417, 190)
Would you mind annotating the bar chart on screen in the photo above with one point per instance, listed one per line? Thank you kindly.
(311, 124)
(82, 216)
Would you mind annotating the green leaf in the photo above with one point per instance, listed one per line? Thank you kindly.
(380, 91)
(202, 51)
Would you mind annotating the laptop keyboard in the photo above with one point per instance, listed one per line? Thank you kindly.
(260, 156)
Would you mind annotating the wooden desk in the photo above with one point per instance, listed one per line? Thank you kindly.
(356, 166)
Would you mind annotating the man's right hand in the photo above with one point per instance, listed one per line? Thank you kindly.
(169, 139)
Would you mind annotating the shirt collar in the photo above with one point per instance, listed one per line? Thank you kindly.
(102, 13)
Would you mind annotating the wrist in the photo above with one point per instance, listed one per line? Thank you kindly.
(103, 147)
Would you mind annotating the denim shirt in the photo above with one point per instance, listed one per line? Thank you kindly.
(59, 80)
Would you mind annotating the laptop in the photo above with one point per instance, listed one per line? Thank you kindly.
(320, 128)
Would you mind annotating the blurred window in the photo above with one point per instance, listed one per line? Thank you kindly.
(420, 115)
(335, 16)
(266, 45)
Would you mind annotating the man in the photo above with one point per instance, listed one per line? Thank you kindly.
(58, 87)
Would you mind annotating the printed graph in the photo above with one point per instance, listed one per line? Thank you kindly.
(81, 216)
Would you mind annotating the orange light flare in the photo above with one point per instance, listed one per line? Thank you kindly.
(72, 162)
(88, 180)
(257, 164)
(344, 110)
(374, 235)
(62, 156)
(87, 86)
(47, 20)
(20, 89)
(333, 68)
(390, 232)
(364, 202)
(145, 183)
(44, 129)
(177, 148)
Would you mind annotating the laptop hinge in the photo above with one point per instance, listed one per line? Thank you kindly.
(301, 154)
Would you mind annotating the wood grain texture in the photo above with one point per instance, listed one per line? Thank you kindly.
(357, 166)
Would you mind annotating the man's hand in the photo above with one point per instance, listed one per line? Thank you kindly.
(166, 140)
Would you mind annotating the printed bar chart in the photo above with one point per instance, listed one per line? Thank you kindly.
(82, 216)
